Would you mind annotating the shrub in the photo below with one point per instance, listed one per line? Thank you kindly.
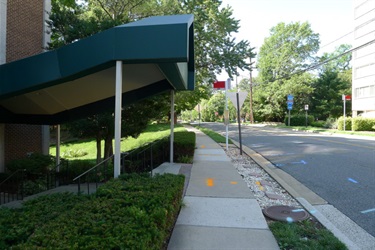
(73, 153)
(363, 124)
(348, 123)
(34, 164)
(299, 120)
(318, 124)
(331, 123)
(131, 212)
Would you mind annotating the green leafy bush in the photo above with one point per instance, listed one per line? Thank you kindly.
(331, 123)
(299, 120)
(131, 212)
(34, 164)
(348, 123)
(363, 124)
(318, 124)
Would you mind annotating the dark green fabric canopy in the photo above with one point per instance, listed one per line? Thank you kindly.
(78, 80)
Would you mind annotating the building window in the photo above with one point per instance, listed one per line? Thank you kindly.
(364, 92)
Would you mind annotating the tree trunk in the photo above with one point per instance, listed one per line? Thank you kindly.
(98, 149)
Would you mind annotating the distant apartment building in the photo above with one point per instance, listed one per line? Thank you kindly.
(363, 87)
(22, 34)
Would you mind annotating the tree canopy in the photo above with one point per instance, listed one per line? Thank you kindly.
(215, 49)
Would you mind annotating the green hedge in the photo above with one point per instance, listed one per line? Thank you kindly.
(356, 124)
(132, 212)
(348, 123)
(363, 124)
(299, 120)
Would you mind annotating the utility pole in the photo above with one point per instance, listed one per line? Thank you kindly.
(251, 94)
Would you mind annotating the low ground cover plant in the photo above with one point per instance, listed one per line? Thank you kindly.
(131, 212)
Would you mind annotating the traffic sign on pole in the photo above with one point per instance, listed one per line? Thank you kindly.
(290, 105)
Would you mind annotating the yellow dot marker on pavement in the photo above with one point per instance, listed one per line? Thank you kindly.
(210, 182)
(233, 182)
(203, 146)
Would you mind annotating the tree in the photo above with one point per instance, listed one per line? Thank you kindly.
(215, 49)
(334, 81)
(282, 59)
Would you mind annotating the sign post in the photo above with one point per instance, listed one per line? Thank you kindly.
(290, 106)
(227, 83)
(238, 99)
(306, 108)
(344, 99)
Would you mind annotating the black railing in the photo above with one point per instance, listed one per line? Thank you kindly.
(100, 173)
(145, 158)
(11, 188)
(60, 175)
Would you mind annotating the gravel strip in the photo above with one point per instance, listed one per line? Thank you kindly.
(266, 190)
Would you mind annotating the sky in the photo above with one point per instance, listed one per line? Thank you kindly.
(331, 19)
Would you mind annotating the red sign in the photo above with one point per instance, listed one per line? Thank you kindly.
(219, 85)
(346, 97)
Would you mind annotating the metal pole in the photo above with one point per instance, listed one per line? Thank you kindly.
(118, 118)
(306, 120)
(58, 142)
(172, 127)
(251, 95)
(239, 122)
(289, 117)
(344, 112)
(226, 108)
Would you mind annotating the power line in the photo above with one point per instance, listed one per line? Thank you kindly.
(324, 62)
(337, 39)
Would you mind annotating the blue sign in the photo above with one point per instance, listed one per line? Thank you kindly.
(290, 98)
(290, 105)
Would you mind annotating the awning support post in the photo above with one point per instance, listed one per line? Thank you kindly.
(118, 118)
(172, 127)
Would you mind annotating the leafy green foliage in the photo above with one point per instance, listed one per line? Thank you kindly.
(299, 120)
(363, 124)
(348, 123)
(213, 109)
(132, 212)
(288, 51)
(34, 164)
(304, 235)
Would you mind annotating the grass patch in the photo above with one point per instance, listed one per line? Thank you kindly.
(304, 235)
(152, 133)
(213, 135)
(131, 212)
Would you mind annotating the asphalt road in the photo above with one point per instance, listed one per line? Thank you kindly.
(340, 169)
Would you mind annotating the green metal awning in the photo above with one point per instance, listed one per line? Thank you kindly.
(78, 80)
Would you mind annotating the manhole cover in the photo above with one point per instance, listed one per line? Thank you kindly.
(285, 213)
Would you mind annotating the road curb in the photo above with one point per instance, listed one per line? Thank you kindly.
(283, 179)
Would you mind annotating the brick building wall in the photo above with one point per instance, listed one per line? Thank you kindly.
(24, 37)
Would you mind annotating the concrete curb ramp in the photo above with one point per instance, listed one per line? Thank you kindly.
(219, 211)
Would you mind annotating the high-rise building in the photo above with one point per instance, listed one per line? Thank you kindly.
(363, 87)
(22, 34)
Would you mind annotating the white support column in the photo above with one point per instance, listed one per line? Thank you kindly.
(3, 30)
(58, 142)
(118, 118)
(172, 127)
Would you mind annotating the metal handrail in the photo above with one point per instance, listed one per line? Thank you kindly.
(10, 176)
(97, 165)
(87, 176)
(5, 196)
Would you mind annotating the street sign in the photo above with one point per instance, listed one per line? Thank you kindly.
(219, 85)
(290, 98)
(290, 105)
(241, 98)
(306, 107)
(346, 97)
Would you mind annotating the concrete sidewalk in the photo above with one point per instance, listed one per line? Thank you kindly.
(219, 211)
